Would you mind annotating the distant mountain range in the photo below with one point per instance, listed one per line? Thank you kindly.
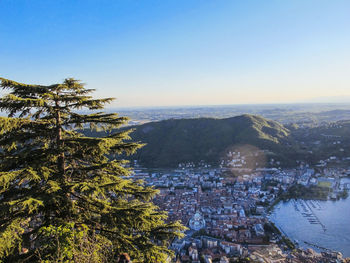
(174, 141)
(283, 113)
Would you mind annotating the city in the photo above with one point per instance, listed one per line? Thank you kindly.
(227, 209)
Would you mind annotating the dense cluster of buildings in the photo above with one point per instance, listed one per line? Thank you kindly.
(225, 210)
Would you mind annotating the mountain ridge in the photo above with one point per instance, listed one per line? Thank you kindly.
(173, 141)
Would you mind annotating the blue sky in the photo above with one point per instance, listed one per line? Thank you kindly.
(160, 53)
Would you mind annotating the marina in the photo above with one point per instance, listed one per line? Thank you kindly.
(321, 225)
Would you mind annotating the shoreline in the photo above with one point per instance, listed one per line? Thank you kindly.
(301, 243)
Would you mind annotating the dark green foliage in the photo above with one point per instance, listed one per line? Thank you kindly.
(302, 192)
(271, 228)
(52, 175)
(325, 140)
(69, 243)
(344, 194)
(170, 142)
(289, 244)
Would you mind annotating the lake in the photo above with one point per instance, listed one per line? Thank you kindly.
(323, 223)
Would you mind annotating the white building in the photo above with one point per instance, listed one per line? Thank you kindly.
(197, 222)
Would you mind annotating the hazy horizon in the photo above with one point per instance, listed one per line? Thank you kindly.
(232, 105)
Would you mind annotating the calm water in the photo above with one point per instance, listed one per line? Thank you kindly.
(324, 223)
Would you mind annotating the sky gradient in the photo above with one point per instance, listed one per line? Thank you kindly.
(165, 53)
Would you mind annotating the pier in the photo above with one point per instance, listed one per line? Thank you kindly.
(317, 220)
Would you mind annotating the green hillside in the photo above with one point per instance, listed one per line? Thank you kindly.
(324, 141)
(170, 142)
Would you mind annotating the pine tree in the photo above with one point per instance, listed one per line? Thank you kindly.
(60, 189)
